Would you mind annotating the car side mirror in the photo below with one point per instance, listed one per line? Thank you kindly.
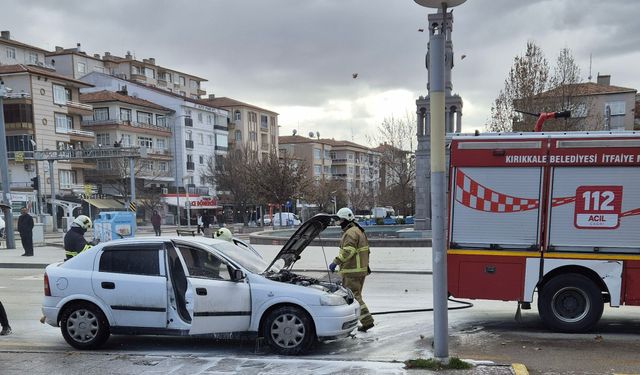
(237, 275)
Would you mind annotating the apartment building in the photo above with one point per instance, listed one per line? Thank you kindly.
(199, 131)
(76, 63)
(43, 111)
(13, 52)
(250, 127)
(594, 106)
(355, 165)
(126, 121)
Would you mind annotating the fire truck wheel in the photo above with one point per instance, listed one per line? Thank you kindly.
(570, 303)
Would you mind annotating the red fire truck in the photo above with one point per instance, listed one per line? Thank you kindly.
(554, 213)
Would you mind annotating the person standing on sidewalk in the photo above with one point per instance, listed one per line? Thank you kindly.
(4, 322)
(156, 221)
(353, 259)
(25, 227)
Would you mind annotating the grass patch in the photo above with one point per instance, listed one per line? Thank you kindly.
(432, 364)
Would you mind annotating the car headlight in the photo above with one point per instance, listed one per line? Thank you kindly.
(332, 300)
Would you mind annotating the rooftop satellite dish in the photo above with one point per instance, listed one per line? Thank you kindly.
(310, 134)
(295, 132)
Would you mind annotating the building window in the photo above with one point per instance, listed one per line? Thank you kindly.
(147, 165)
(222, 140)
(194, 84)
(161, 121)
(316, 153)
(210, 140)
(125, 114)
(59, 95)
(201, 159)
(101, 114)
(264, 122)
(350, 155)
(67, 179)
(162, 166)
(200, 138)
(82, 67)
(209, 119)
(182, 81)
(327, 155)
(126, 140)
(145, 118)
(317, 170)
(149, 73)
(237, 116)
(11, 53)
(63, 122)
(103, 139)
(103, 164)
(135, 69)
(18, 113)
(617, 108)
(326, 169)
(33, 57)
(188, 136)
(253, 137)
(350, 170)
(161, 144)
(145, 142)
(200, 117)
(238, 135)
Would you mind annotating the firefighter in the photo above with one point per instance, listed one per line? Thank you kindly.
(353, 259)
(223, 234)
(74, 242)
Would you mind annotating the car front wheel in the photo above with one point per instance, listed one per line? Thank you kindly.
(84, 326)
(570, 303)
(289, 330)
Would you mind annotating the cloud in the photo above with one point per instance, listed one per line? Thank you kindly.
(297, 57)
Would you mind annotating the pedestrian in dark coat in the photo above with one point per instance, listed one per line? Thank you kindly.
(4, 322)
(25, 227)
(156, 221)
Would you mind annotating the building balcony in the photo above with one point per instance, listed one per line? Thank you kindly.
(83, 164)
(138, 77)
(201, 92)
(159, 154)
(19, 126)
(137, 127)
(77, 108)
(77, 135)
(221, 127)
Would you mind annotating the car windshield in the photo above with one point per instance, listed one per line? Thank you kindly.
(243, 256)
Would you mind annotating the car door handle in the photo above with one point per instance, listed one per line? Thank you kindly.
(201, 291)
(108, 285)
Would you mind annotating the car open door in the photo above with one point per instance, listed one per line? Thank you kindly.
(221, 300)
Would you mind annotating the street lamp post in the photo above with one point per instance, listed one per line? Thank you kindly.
(175, 160)
(188, 203)
(4, 170)
(437, 40)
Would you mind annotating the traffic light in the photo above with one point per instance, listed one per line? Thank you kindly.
(35, 183)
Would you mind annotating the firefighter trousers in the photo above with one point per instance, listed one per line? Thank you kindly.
(356, 283)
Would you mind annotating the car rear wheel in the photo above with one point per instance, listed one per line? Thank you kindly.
(570, 303)
(84, 326)
(289, 330)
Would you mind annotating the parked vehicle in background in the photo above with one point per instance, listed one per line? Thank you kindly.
(382, 212)
(266, 219)
(285, 219)
(196, 286)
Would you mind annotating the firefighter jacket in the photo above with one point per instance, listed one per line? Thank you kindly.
(74, 242)
(353, 257)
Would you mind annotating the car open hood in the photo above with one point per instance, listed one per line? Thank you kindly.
(309, 230)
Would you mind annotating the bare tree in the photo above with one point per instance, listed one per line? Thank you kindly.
(397, 163)
(280, 179)
(230, 173)
(528, 77)
(323, 191)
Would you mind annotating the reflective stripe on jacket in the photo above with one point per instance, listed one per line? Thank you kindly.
(353, 257)
(74, 242)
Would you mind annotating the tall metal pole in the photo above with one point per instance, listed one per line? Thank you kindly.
(54, 208)
(188, 208)
(175, 160)
(439, 254)
(6, 186)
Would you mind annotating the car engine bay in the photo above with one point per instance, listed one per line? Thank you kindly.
(289, 277)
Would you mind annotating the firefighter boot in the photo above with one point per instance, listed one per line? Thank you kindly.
(365, 327)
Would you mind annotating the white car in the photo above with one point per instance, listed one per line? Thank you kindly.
(196, 286)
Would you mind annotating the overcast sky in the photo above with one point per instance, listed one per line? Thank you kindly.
(297, 57)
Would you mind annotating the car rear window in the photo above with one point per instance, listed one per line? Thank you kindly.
(138, 261)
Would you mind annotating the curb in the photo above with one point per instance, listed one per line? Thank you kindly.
(519, 369)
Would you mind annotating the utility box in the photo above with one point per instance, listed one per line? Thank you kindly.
(113, 225)
(38, 234)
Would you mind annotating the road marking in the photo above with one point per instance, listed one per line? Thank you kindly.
(519, 369)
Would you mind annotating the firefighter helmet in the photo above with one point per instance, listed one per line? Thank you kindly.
(223, 234)
(83, 222)
(345, 213)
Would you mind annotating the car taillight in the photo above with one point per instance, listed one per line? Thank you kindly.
(47, 291)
